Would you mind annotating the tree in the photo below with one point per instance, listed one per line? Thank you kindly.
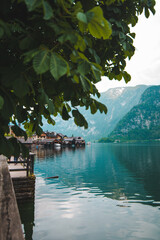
(53, 52)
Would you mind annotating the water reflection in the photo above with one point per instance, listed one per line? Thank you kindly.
(26, 210)
(143, 161)
(119, 171)
(104, 191)
(44, 153)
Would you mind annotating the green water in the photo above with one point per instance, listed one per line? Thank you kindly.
(104, 191)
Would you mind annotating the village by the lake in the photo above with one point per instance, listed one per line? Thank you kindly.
(52, 139)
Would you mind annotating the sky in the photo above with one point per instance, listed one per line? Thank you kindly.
(144, 66)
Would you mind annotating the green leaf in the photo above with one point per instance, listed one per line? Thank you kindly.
(6, 147)
(65, 114)
(58, 66)
(39, 130)
(119, 76)
(89, 16)
(102, 108)
(20, 87)
(51, 121)
(48, 12)
(51, 107)
(75, 79)
(84, 68)
(42, 97)
(28, 126)
(99, 27)
(1, 32)
(26, 43)
(93, 108)
(126, 76)
(82, 26)
(133, 35)
(80, 44)
(32, 4)
(6, 28)
(21, 114)
(29, 55)
(96, 70)
(24, 150)
(79, 119)
(19, 132)
(82, 56)
(8, 107)
(147, 12)
(96, 57)
(29, 3)
(68, 36)
(134, 20)
(85, 84)
(41, 62)
(109, 2)
(82, 17)
(16, 147)
(1, 102)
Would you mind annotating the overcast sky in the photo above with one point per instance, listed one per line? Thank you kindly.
(144, 67)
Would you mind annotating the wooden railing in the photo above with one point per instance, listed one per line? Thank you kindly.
(27, 163)
(10, 223)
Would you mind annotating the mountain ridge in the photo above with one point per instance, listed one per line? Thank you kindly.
(119, 101)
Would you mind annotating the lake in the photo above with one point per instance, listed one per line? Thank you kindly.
(104, 191)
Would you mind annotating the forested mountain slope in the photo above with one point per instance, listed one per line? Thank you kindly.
(142, 122)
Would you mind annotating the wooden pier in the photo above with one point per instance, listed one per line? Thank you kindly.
(22, 167)
(22, 174)
(17, 182)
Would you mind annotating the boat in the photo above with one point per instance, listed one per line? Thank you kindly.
(57, 145)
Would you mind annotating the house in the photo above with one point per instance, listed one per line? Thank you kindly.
(68, 141)
(79, 141)
(49, 138)
(43, 135)
(51, 135)
(46, 135)
(61, 136)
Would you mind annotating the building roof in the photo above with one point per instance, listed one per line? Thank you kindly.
(61, 135)
(51, 134)
(78, 138)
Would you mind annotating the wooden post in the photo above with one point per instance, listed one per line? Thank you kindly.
(32, 162)
(27, 166)
(10, 224)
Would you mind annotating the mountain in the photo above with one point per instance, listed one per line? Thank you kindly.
(142, 122)
(119, 101)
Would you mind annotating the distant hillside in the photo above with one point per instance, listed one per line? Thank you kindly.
(119, 102)
(143, 120)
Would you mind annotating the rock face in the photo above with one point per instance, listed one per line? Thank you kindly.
(119, 102)
(142, 122)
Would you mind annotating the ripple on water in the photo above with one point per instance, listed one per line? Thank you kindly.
(156, 203)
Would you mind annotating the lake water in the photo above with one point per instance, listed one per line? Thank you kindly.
(104, 192)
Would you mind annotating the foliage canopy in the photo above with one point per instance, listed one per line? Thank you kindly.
(53, 52)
